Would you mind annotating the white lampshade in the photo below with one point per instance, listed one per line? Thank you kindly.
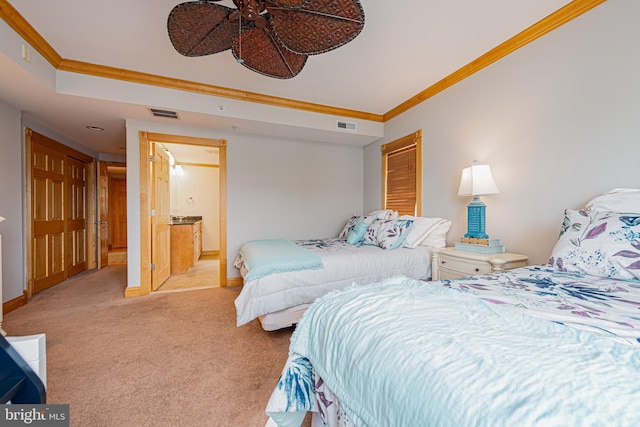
(477, 180)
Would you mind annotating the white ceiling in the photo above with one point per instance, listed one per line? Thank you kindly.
(405, 47)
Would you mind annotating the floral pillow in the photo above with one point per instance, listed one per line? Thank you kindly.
(383, 214)
(599, 243)
(392, 232)
(387, 233)
(352, 223)
(371, 236)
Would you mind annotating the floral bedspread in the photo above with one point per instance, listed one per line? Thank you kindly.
(333, 244)
(604, 307)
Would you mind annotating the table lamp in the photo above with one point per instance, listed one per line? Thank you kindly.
(476, 181)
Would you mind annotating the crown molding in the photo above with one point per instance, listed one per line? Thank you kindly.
(558, 18)
(537, 30)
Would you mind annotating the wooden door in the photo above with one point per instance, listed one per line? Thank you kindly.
(47, 216)
(118, 212)
(56, 202)
(103, 215)
(76, 216)
(160, 204)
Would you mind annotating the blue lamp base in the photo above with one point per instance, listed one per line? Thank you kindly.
(476, 219)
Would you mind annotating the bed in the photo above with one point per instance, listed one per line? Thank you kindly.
(280, 292)
(545, 345)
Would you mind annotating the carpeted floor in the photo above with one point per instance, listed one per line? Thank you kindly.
(168, 359)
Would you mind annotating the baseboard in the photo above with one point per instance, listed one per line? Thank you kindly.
(234, 281)
(9, 306)
(132, 291)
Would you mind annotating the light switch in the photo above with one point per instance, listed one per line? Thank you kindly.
(26, 53)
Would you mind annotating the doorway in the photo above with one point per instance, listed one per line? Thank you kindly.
(194, 208)
(117, 213)
(147, 251)
(111, 214)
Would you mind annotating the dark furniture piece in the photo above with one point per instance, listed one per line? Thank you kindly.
(18, 383)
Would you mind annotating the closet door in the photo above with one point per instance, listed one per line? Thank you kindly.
(58, 234)
(76, 216)
(48, 224)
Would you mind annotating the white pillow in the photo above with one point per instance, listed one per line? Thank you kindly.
(434, 242)
(421, 229)
(623, 200)
(437, 238)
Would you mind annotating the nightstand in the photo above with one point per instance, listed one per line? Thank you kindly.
(448, 263)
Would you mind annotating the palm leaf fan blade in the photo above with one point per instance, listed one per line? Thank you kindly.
(293, 3)
(201, 28)
(317, 26)
(259, 51)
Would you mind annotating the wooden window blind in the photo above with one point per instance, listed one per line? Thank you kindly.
(402, 175)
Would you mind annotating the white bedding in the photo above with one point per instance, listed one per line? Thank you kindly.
(343, 265)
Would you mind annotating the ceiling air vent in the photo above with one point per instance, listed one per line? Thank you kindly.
(346, 125)
(167, 114)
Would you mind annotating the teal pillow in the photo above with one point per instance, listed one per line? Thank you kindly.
(356, 234)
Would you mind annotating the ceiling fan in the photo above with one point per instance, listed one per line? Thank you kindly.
(271, 37)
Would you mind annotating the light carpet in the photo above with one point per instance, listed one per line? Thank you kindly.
(168, 359)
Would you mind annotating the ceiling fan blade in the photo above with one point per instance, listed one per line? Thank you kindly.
(294, 3)
(200, 28)
(316, 26)
(259, 51)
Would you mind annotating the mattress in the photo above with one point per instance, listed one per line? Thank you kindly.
(343, 265)
(283, 318)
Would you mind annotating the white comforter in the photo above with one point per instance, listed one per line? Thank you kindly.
(343, 265)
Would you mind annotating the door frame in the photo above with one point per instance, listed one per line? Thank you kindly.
(96, 248)
(102, 259)
(146, 139)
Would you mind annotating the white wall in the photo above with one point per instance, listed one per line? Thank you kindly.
(557, 121)
(11, 202)
(196, 193)
(276, 188)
